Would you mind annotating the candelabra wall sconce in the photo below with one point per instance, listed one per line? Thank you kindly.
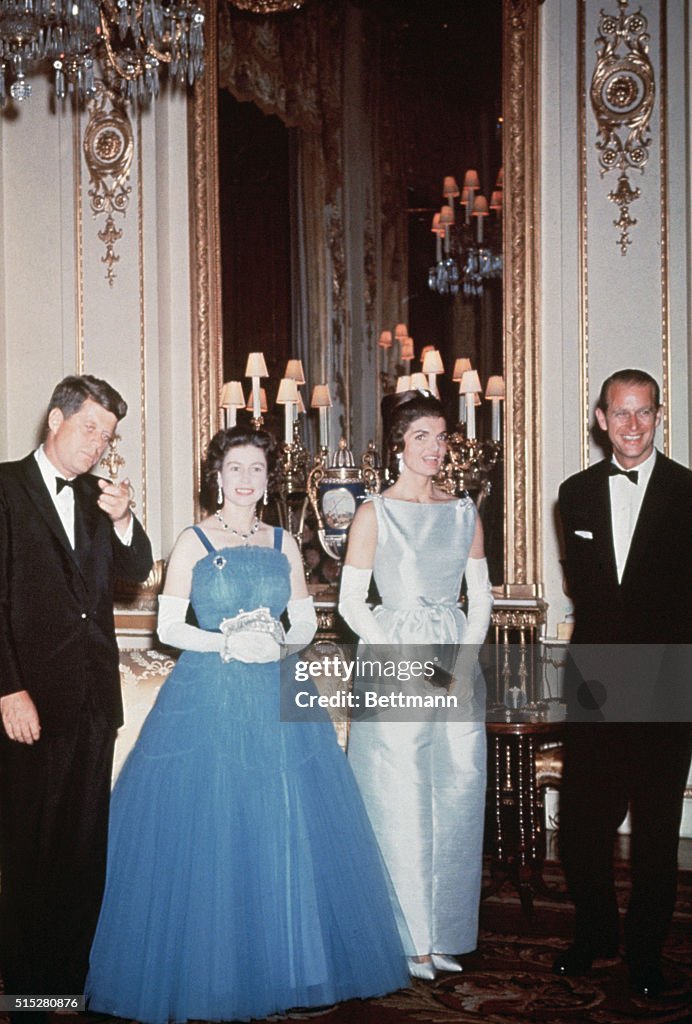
(469, 465)
(467, 253)
(290, 486)
(329, 482)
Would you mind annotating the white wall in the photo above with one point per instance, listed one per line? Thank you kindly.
(59, 314)
(609, 310)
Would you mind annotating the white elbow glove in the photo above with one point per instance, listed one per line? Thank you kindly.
(176, 632)
(301, 615)
(480, 601)
(353, 607)
(480, 604)
(252, 647)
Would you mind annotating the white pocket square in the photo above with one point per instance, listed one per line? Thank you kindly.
(586, 534)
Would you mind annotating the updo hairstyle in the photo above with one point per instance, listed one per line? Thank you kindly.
(399, 411)
(219, 447)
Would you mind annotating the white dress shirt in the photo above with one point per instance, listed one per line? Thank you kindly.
(64, 502)
(625, 504)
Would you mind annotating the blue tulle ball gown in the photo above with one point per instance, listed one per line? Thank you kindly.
(243, 874)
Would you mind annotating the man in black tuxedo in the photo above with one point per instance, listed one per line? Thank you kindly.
(65, 536)
(628, 550)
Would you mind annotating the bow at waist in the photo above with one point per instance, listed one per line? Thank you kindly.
(409, 604)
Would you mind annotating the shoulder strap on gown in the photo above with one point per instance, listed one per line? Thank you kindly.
(278, 538)
(203, 537)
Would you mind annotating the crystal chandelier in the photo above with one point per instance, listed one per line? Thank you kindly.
(467, 254)
(131, 39)
(268, 6)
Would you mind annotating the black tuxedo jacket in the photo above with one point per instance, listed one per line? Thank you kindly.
(653, 602)
(651, 607)
(57, 635)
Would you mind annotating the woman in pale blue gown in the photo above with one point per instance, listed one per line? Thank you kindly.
(423, 781)
(243, 875)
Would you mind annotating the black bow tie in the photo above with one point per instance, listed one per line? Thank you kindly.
(631, 474)
(60, 482)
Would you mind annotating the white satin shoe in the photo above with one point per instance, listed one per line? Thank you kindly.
(423, 970)
(446, 963)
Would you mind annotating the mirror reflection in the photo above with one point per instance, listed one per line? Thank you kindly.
(330, 174)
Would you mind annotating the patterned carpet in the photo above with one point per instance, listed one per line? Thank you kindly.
(508, 979)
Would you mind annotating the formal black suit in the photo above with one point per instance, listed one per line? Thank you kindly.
(57, 641)
(631, 747)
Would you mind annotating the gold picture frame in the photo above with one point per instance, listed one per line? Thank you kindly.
(522, 568)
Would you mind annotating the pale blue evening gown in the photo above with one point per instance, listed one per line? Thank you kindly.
(424, 781)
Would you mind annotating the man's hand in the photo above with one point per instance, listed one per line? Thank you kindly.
(20, 717)
(114, 500)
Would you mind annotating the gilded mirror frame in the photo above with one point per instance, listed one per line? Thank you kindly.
(520, 293)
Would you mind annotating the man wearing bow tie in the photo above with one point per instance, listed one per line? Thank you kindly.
(628, 564)
(65, 537)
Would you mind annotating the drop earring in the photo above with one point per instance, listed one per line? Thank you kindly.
(219, 495)
(400, 464)
(265, 499)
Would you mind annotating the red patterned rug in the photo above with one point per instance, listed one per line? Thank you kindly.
(508, 979)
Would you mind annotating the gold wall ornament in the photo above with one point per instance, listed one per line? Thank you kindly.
(623, 196)
(622, 98)
(108, 150)
(521, 261)
(113, 460)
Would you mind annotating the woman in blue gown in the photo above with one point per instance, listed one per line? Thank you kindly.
(243, 875)
(423, 776)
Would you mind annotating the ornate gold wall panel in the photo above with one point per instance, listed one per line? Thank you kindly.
(205, 262)
(585, 417)
(78, 243)
(622, 98)
(521, 261)
(665, 246)
(108, 151)
(623, 91)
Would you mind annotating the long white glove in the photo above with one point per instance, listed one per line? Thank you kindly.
(303, 620)
(176, 632)
(353, 606)
(480, 604)
(480, 600)
(251, 647)
(244, 645)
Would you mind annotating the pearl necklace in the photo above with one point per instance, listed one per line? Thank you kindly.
(236, 533)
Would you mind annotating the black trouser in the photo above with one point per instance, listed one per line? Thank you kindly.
(54, 798)
(609, 767)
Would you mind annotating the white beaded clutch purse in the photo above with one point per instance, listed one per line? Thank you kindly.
(260, 620)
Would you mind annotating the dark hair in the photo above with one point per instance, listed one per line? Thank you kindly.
(628, 377)
(219, 446)
(400, 410)
(72, 392)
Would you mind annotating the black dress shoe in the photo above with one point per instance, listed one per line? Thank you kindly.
(574, 962)
(647, 980)
(577, 960)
